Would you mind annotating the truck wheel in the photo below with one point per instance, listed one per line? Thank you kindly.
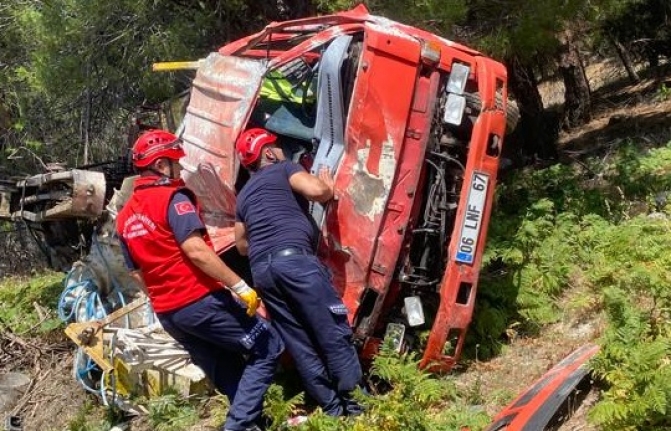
(512, 111)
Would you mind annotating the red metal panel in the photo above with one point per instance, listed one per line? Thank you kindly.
(369, 167)
(400, 207)
(313, 43)
(533, 409)
(221, 97)
(357, 15)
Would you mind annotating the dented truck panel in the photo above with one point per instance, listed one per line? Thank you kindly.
(222, 95)
(375, 135)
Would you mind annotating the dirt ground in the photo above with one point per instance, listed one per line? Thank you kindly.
(53, 398)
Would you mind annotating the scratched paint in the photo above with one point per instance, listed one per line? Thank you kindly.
(384, 25)
(370, 192)
(388, 26)
(224, 89)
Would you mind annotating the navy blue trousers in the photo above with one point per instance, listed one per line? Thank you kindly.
(238, 353)
(312, 320)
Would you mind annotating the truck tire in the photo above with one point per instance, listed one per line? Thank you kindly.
(512, 111)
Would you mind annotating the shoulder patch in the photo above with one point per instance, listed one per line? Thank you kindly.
(184, 208)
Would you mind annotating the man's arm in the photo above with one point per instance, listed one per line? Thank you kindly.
(313, 188)
(198, 252)
(241, 241)
(187, 226)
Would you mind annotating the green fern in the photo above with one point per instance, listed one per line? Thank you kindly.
(278, 409)
(171, 412)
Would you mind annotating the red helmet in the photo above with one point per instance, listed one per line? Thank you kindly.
(156, 144)
(251, 142)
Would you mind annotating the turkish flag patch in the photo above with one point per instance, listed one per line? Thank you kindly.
(184, 208)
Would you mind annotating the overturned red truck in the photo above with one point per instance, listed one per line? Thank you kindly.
(411, 124)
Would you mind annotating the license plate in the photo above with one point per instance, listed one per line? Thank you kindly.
(472, 222)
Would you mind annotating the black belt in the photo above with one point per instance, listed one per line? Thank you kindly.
(289, 251)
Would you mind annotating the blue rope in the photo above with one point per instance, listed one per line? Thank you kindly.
(83, 374)
(70, 297)
(81, 301)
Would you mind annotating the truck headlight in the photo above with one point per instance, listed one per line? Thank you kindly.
(456, 103)
(394, 335)
(414, 310)
(454, 109)
(456, 83)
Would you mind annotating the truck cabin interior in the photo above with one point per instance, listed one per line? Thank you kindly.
(305, 103)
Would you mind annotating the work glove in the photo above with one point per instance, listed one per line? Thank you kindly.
(248, 296)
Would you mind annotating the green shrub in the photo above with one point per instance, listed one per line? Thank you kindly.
(278, 407)
(634, 359)
(404, 398)
(416, 400)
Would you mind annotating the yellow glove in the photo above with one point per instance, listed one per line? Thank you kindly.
(248, 296)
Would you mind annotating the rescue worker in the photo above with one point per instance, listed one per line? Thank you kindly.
(189, 286)
(274, 229)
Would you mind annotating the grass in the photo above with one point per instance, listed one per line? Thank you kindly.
(29, 304)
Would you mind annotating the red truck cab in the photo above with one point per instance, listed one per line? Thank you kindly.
(412, 126)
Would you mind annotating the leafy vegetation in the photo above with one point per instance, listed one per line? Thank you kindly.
(403, 398)
(171, 412)
(28, 304)
(616, 244)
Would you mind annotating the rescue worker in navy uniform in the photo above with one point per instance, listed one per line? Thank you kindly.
(273, 227)
(189, 286)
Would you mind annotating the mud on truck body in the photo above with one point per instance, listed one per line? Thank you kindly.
(411, 125)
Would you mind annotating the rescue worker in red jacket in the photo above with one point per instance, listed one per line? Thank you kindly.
(190, 288)
(274, 228)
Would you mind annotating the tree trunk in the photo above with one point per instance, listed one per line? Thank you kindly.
(583, 71)
(87, 113)
(577, 104)
(625, 59)
(536, 134)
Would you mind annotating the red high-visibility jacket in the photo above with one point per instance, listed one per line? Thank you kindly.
(172, 280)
